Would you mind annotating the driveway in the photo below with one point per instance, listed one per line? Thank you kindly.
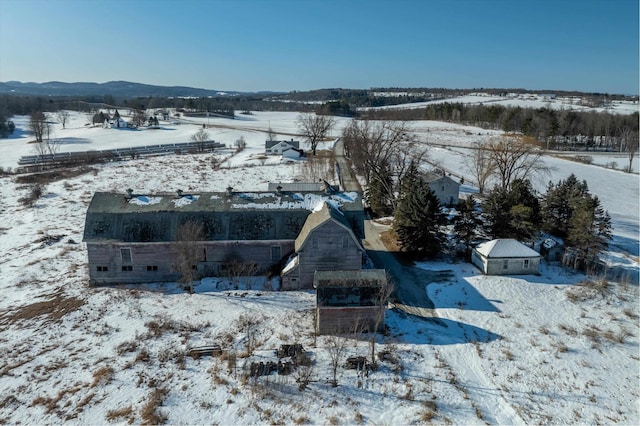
(410, 282)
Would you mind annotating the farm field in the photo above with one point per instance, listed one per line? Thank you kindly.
(553, 348)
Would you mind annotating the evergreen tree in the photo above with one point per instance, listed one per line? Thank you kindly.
(418, 219)
(559, 202)
(513, 212)
(466, 223)
(589, 231)
(379, 192)
(496, 214)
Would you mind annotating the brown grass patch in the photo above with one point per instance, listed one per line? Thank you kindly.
(54, 175)
(150, 413)
(53, 309)
(124, 412)
(390, 241)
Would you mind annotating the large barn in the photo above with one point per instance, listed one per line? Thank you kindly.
(132, 238)
(505, 257)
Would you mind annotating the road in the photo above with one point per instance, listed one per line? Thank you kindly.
(410, 282)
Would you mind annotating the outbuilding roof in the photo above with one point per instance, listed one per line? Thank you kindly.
(505, 248)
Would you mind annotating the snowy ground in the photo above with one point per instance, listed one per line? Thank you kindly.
(529, 100)
(515, 350)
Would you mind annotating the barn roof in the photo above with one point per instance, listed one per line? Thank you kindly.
(505, 248)
(235, 216)
(323, 213)
(350, 278)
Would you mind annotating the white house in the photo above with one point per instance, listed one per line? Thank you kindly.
(279, 147)
(445, 188)
(505, 257)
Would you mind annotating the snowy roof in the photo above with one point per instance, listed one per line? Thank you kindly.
(324, 212)
(507, 247)
(270, 144)
(239, 216)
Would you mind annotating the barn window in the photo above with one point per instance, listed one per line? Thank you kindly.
(127, 268)
(102, 268)
(152, 267)
(276, 253)
(525, 264)
(125, 253)
(505, 264)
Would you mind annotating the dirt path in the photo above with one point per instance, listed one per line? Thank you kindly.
(410, 281)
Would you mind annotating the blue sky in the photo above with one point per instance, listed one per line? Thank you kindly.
(250, 45)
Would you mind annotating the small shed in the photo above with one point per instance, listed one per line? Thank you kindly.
(552, 250)
(505, 257)
(349, 301)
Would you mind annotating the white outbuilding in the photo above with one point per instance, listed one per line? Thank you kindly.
(505, 257)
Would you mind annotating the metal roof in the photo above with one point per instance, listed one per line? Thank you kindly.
(235, 216)
(505, 248)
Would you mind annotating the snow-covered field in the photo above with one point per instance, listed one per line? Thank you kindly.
(515, 350)
(526, 101)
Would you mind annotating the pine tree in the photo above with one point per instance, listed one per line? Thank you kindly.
(513, 212)
(418, 219)
(559, 202)
(589, 231)
(379, 192)
(466, 223)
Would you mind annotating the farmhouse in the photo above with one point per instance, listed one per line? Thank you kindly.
(279, 147)
(445, 188)
(132, 238)
(348, 301)
(505, 257)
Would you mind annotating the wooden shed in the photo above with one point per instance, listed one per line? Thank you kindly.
(349, 301)
(505, 257)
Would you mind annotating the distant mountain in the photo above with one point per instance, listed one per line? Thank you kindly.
(120, 89)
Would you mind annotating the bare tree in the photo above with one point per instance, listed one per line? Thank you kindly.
(481, 165)
(237, 270)
(200, 137)
(240, 144)
(381, 300)
(629, 138)
(271, 135)
(314, 128)
(336, 345)
(380, 148)
(63, 117)
(139, 117)
(189, 247)
(318, 167)
(39, 125)
(514, 159)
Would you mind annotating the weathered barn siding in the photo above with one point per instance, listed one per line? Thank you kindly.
(327, 247)
(334, 320)
(158, 255)
(154, 262)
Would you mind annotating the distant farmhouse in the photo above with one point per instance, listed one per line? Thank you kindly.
(505, 257)
(446, 189)
(290, 149)
(131, 238)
